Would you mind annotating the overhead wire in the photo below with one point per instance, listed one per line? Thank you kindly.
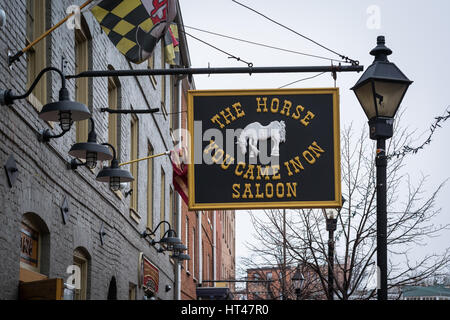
(231, 56)
(347, 59)
(304, 79)
(265, 45)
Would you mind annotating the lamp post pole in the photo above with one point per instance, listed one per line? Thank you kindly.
(331, 217)
(381, 165)
(380, 92)
(331, 264)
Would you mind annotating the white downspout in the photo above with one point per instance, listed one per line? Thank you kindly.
(179, 93)
(200, 249)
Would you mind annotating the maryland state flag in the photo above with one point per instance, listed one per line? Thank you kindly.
(172, 43)
(178, 157)
(136, 26)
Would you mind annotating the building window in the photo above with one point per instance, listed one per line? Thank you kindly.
(113, 103)
(150, 189)
(162, 216)
(30, 240)
(81, 260)
(34, 248)
(134, 138)
(36, 56)
(82, 57)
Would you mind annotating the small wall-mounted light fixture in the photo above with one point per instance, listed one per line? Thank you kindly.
(2, 18)
(11, 170)
(91, 151)
(101, 233)
(65, 210)
(113, 174)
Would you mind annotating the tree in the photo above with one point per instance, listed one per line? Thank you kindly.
(410, 223)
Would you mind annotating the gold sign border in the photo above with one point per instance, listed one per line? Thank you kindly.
(337, 202)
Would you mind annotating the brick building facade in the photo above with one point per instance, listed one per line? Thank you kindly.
(33, 204)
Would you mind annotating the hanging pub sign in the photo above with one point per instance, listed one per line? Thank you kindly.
(261, 149)
(148, 275)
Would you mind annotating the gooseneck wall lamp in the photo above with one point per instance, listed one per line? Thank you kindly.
(63, 111)
(113, 174)
(168, 242)
(90, 151)
(380, 92)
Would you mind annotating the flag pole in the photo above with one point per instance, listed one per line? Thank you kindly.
(146, 158)
(16, 57)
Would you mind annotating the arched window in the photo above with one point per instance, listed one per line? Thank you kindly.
(112, 289)
(81, 260)
(34, 248)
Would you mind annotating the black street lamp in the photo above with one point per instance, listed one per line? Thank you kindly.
(380, 92)
(113, 174)
(331, 217)
(298, 281)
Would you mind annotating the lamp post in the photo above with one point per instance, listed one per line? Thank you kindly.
(298, 280)
(380, 92)
(331, 217)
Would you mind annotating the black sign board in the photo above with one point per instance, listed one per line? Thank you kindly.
(259, 149)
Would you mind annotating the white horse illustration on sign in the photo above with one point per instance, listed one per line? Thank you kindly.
(254, 132)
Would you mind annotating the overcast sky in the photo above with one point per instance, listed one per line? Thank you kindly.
(416, 31)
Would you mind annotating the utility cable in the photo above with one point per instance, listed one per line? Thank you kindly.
(304, 79)
(265, 45)
(347, 59)
(231, 56)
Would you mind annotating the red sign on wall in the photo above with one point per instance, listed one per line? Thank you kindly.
(148, 274)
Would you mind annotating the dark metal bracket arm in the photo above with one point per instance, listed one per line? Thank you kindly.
(229, 70)
(129, 111)
(46, 135)
(8, 96)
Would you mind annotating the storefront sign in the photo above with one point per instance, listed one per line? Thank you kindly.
(148, 275)
(260, 149)
(29, 246)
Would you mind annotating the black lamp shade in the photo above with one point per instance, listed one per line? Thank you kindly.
(51, 111)
(181, 256)
(298, 280)
(383, 85)
(116, 174)
(170, 240)
(81, 150)
(179, 248)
